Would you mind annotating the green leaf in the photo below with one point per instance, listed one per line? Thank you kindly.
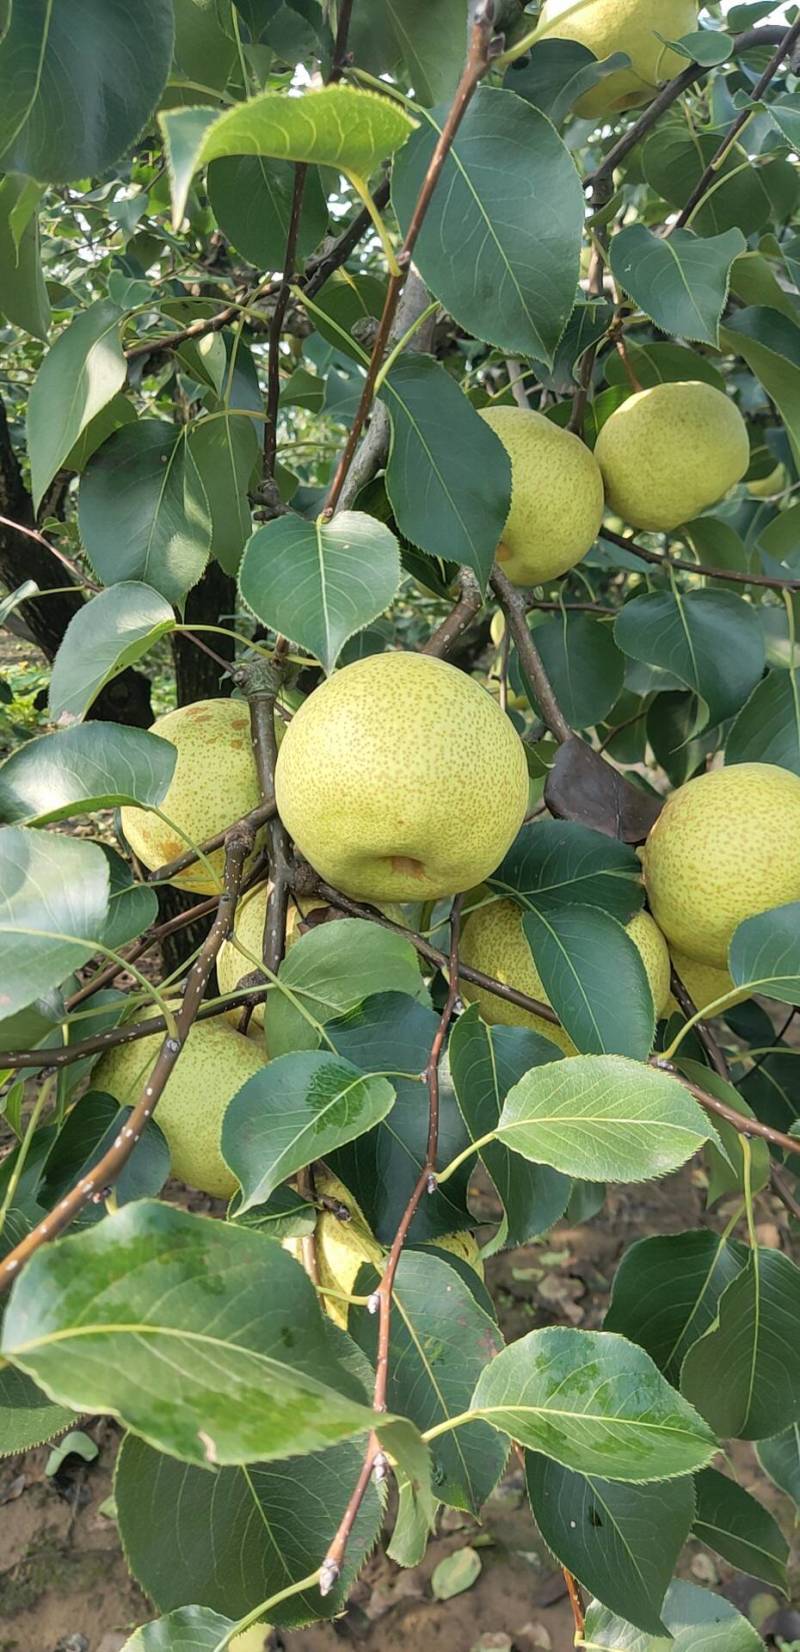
(113, 416)
(220, 1322)
(79, 85)
(710, 640)
(143, 511)
(394, 1033)
(340, 126)
(430, 43)
(440, 1342)
(662, 364)
(779, 1457)
(485, 1062)
(319, 582)
(225, 450)
(501, 245)
(107, 634)
(697, 1621)
(584, 665)
(667, 1290)
(23, 294)
(251, 198)
(558, 73)
(329, 972)
(190, 1629)
(240, 1535)
(132, 906)
(88, 1132)
(595, 979)
(595, 1403)
(729, 1168)
(767, 729)
(80, 373)
(602, 1118)
(456, 1573)
(770, 344)
(673, 161)
(300, 1107)
(554, 863)
(620, 1540)
(448, 476)
(753, 1342)
(681, 282)
(765, 953)
(736, 1526)
(27, 1416)
(52, 909)
(99, 766)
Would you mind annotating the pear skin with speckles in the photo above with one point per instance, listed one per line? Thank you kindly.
(493, 940)
(725, 846)
(671, 451)
(639, 28)
(556, 496)
(214, 1064)
(703, 982)
(214, 784)
(401, 779)
(251, 1640)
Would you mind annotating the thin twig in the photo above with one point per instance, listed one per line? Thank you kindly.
(340, 44)
(576, 1601)
(152, 937)
(61, 556)
(586, 371)
(745, 1126)
(257, 817)
(515, 604)
(238, 844)
(461, 615)
(715, 1055)
(662, 559)
(784, 1191)
(276, 324)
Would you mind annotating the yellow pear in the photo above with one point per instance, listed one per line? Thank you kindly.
(703, 982)
(556, 496)
(637, 27)
(494, 941)
(213, 784)
(669, 452)
(400, 779)
(251, 1640)
(725, 846)
(214, 1064)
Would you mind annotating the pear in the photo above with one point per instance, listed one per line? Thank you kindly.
(703, 982)
(214, 783)
(765, 487)
(251, 1640)
(556, 496)
(493, 941)
(669, 452)
(400, 779)
(725, 846)
(213, 1065)
(637, 27)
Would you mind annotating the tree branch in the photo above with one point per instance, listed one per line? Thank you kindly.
(662, 559)
(469, 605)
(238, 844)
(276, 324)
(515, 604)
(256, 817)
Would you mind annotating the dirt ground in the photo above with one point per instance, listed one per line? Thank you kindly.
(63, 1581)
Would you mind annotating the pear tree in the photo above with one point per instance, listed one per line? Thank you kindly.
(400, 784)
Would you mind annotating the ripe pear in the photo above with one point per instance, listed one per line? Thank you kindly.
(214, 782)
(637, 27)
(703, 982)
(212, 1067)
(556, 496)
(251, 1640)
(493, 941)
(401, 779)
(669, 452)
(725, 846)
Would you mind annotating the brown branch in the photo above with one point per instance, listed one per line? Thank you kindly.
(152, 937)
(238, 845)
(478, 61)
(715, 1054)
(340, 44)
(784, 1191)
(586, 371)
(788, 42)
(66, 561)
(382, 1298)
(257, 817)
(576, 1602)
(745, 1126)
(515, 604)
(469, 604)
(320, 269)
(276, 324)
(662, 559)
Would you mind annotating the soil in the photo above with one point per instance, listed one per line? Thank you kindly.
(64, 1586)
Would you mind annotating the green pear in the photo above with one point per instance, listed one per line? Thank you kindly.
(556, 496)
(725, 846)
(669, 452)
(636, 27)
(214, 782)
(214, 1063)
(493, 941)
(401, 779)
(251, 1640)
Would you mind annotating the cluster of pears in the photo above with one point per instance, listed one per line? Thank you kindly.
(640, 28)
(662, 457)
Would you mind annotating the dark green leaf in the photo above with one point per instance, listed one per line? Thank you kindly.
(558, 73)
(501, 245)
(330, 971)
(696, 1620)
(765, 953)
(190, 1629)
(286, 1215)
(584, 665)
(53, 908)
(673, 161)
(319, 582)
(220, 1321)
(595, 1403)
(27, 1416)
(95, 766)
(143, 511)
(23, 294)
(602, 1118)
(484, 1064)
(429, 41)
(251, 199)
(667, 1290)
(753, 1344)
(107, 634)
(779, 1457)
(734, 1525)
(681, 281)
(448, 476)
(298, 1108)
(621, 1542)
(710, 640)
(80, 373)
(225, 449)
(89, 1130)
(662, 363)
(79, 84)
(770, 344)
(554, 863)
(594, 977)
